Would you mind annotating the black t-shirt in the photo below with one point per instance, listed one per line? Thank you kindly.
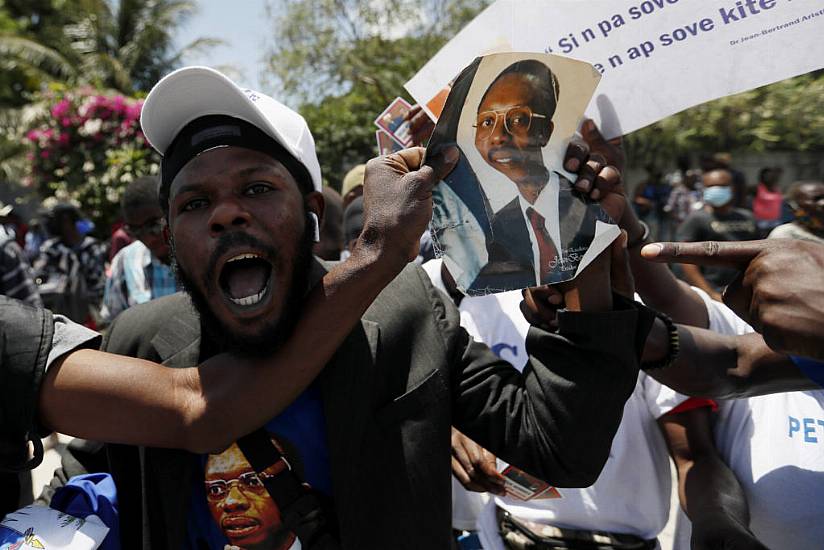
(735, 225)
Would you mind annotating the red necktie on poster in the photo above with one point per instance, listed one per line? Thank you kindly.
(545, 247)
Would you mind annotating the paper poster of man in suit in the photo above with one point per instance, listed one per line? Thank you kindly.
(508, 216)
(240, 504)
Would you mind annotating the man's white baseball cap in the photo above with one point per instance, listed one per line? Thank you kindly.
(193, 92)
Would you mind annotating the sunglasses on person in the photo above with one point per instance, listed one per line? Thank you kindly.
(517, 122)
(248, 483)
(153, 226)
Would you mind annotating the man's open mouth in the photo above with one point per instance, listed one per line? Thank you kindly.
(245, 279)
(239, 527)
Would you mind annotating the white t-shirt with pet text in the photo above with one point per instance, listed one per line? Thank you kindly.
(775, 446)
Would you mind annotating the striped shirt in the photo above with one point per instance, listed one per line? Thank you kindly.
(137, 276)
(15, 274)
(71, 278)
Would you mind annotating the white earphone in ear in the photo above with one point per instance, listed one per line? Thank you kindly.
(317, 226)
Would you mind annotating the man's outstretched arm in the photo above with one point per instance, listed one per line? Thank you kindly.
(723, 367)
(118, 399)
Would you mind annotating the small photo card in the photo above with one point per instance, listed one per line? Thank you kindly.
(393, 121)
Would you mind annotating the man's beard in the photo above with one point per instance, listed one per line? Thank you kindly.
(274, 332)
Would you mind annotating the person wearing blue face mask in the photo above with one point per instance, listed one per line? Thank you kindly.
(719, 220)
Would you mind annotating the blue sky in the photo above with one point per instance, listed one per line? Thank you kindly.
(242, 25)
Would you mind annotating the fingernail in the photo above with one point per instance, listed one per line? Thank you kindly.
(555, 299)
(652, 250)
(595, 195)
(573, 164)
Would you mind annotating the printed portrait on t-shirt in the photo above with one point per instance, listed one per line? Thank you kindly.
(239, 502)
(508, 217)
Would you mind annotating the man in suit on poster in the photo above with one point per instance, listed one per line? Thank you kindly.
(514, 124)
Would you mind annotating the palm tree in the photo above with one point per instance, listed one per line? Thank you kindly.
(130, 45)
(124, 45)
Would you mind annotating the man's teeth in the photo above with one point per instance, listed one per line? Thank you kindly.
(504, 161)
(250, 300)
(243, 257)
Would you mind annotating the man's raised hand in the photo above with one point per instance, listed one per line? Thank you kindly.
(397, 200)
(598, 176)
(779, 291)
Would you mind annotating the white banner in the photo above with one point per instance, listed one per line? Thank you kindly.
(657, 57)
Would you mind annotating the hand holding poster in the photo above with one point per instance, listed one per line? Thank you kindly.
(657, 57)
(507, 217)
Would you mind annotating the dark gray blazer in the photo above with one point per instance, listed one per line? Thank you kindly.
(400, 380)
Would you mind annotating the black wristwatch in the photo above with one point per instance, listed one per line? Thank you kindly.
(673, 349)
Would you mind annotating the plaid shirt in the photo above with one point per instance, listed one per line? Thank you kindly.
(137, 276)
(87, 260)
(15, 275)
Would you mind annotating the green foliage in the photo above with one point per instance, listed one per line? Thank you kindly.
(125, 45)
(343, 61)
(785, 116)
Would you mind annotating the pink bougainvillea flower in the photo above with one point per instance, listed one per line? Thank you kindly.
(133, 111)
(61, 108)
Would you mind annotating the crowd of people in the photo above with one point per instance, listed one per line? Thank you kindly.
(286, 366)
